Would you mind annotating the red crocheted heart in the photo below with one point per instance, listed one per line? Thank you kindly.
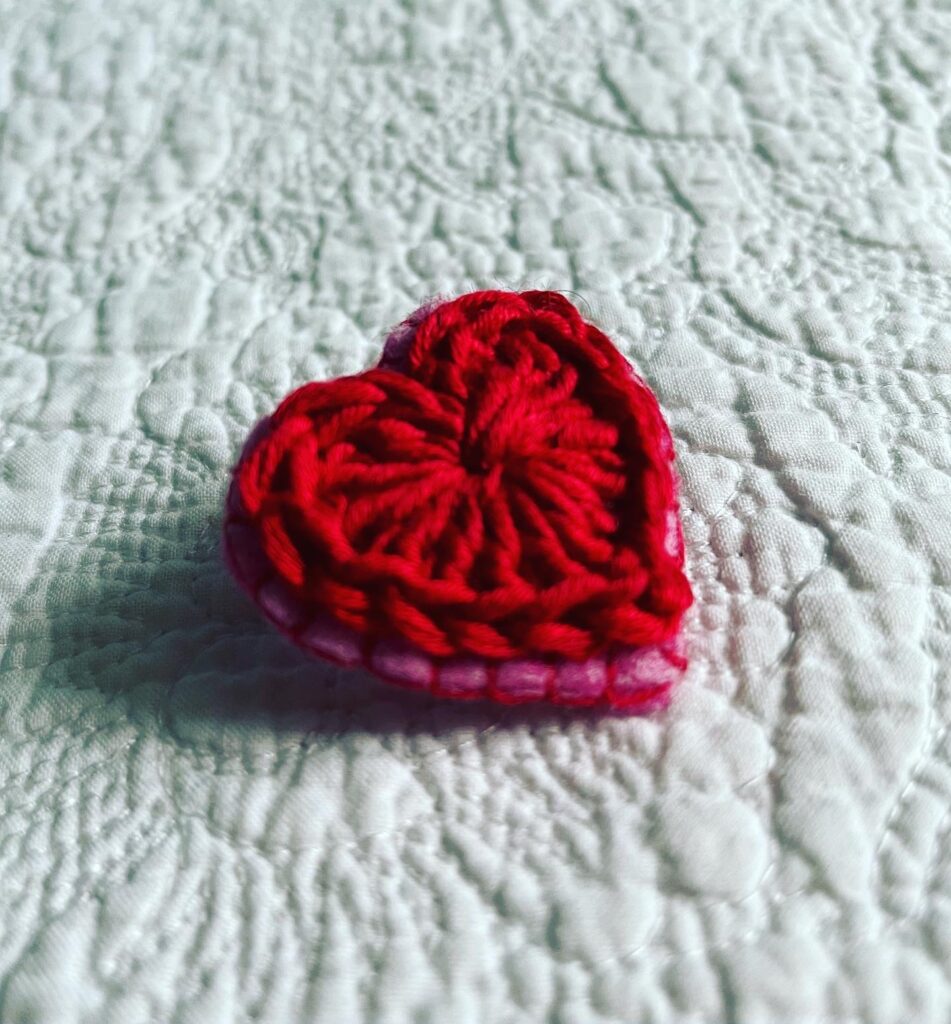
(499, 487)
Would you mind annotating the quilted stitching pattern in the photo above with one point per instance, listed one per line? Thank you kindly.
(202, 206)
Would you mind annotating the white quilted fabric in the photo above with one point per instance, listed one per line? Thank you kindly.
(205, 204)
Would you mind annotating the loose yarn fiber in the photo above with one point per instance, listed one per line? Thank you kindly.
(498, 491)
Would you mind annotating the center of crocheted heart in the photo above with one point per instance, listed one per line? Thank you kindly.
(508, 420)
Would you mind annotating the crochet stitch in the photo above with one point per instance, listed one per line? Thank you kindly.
(489, 512)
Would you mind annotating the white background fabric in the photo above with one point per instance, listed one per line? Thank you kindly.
(205, 204)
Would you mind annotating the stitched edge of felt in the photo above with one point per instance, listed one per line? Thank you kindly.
(637, 678)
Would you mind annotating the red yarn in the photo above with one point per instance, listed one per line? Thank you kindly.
(507, 492)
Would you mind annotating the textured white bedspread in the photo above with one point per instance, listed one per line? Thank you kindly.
(204, 204)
